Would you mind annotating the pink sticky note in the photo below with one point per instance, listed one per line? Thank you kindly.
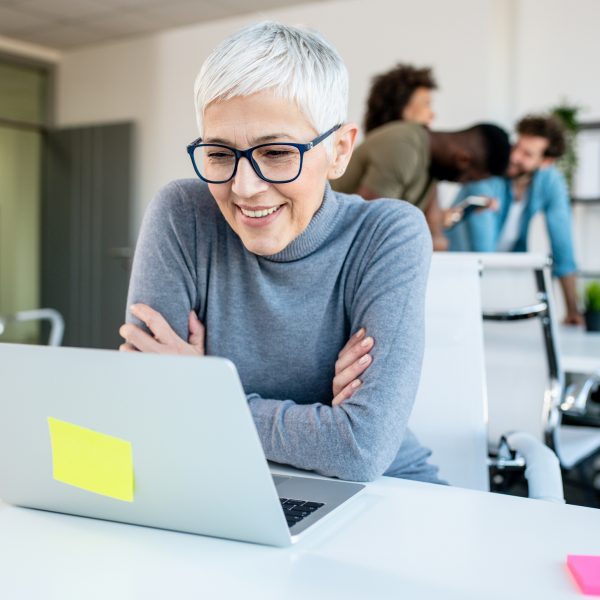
(586, 570)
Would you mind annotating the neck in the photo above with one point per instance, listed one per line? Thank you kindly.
(522, 180)
(439, 146)
(439, 150)
(520, 185)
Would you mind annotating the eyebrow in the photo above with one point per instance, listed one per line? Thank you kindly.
(259, 140)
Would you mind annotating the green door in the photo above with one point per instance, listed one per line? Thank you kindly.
(22, 94)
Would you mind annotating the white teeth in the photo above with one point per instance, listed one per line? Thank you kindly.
(258, 213)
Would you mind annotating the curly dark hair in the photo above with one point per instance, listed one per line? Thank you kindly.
(391, 92)
(548, 127)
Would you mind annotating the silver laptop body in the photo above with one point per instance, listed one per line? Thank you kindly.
(198, 464)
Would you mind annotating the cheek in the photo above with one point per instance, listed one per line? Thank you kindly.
(216, 192)
(221, 197)
(528, 163)
(309, 188)
(303, 204)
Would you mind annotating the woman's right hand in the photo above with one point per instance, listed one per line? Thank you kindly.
(353, 360)
(161, 339)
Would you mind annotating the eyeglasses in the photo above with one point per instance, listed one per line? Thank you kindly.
(275, 163)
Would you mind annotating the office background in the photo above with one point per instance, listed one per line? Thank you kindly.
(494, 59)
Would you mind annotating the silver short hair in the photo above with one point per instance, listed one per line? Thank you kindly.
(296, 63)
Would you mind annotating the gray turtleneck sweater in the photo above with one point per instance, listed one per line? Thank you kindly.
(282, 320)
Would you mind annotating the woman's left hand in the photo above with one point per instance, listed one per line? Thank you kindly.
(163, 339)
(353, 360)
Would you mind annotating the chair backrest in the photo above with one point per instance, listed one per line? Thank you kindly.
(450, 409)
(57, 323)
(525, 381)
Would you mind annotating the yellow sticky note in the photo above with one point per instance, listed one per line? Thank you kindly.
(90, 460)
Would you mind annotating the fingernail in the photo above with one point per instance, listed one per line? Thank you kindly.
(360, 333)
(355, 383)
(133, 308)
(364, 359)
(366, 342)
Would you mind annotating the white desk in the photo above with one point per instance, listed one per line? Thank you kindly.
(399, 539)
(580, 349)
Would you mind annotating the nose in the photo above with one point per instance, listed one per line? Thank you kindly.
(246, 182)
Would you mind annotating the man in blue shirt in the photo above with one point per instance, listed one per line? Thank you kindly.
(531, 185)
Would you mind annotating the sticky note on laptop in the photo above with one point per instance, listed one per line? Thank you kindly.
(90, 460)
(586, 571)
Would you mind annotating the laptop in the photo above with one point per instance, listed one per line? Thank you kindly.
(160, 441)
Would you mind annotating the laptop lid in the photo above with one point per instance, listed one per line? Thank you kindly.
(163, 441)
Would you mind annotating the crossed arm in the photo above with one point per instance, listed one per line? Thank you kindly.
(353, 359)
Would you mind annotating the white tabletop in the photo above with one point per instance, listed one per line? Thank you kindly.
(580, 349)
(398, 539)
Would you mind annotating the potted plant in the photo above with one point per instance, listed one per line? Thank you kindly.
(592, 306)
(568, 115)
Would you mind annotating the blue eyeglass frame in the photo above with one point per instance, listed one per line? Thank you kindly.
(247, 154)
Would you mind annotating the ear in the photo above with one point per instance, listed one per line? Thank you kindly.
(345, 137)
(462, 158)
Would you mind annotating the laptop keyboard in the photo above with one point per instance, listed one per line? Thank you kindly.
(296, 510)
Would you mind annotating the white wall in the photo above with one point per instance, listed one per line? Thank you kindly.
(558, 46)
(149, 80)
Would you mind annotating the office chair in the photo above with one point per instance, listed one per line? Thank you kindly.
(57, 323)
(450, 414)
(526, 382)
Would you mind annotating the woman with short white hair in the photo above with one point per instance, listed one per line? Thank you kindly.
(317, 297)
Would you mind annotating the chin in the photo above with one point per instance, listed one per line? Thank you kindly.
(264, 247)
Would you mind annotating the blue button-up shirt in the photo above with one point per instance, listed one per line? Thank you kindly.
(480, 231)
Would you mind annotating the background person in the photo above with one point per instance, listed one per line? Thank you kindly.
(532, 184)
(405, 93)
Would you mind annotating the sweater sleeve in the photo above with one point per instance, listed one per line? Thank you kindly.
(164, 274)
(359, 439)
(558, 222)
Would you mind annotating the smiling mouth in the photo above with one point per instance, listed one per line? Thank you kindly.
(257, 214)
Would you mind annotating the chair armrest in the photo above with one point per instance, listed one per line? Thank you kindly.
(57, 323)
(517, 314)
(542, 468)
